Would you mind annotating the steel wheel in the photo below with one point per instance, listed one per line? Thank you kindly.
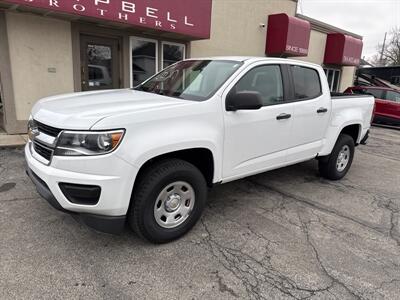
(343, 158)
(174, 204)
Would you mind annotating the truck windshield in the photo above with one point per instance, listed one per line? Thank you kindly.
(194, 80)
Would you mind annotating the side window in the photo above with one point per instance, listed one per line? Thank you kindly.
(267, 80)
(376, 93)
(306, 82)
(393, 96)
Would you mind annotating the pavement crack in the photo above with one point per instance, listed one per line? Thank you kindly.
(256, 276)
(319, 207)
(322, 266)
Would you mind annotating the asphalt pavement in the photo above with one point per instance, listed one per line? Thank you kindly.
(279, 235)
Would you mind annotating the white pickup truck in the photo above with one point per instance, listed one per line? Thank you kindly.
(146, 156)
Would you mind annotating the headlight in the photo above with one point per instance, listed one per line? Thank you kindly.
(73, 143)
(32, 128)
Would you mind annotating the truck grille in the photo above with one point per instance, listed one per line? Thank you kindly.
(43, 151)
(52, 131)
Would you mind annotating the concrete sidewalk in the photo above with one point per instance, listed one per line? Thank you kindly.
(15, 140)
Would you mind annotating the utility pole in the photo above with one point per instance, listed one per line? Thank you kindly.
(383, 49)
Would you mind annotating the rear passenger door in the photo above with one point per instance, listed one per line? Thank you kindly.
(257, 140)
(311, 113)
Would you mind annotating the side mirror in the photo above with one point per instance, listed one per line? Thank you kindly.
(243, 100)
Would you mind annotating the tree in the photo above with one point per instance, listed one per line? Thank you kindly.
(391, 50)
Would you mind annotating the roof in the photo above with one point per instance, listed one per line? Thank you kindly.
(255, 59)
(327, 28)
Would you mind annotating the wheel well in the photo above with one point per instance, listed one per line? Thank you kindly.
(201, 158)
(353, 131)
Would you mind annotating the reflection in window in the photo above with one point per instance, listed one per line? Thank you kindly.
(306, 82)
(144, 60)
(172, 53)
(191, 80)
(266, 80)
(100, 65)
(333, 76)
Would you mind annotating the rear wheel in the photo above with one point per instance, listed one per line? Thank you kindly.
(337, 164)
(168, 200)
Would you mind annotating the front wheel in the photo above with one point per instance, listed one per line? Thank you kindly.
(167, 201)
(337, 164)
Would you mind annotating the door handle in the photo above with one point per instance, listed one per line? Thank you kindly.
(322, 110)
(283, 116)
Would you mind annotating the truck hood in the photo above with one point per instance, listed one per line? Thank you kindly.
(83, 110)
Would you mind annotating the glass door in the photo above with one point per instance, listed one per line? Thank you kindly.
(99, 63)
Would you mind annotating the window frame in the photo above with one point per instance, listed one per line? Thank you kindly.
(294, 99)
(284, 77)
(172, 44)
(156, 43)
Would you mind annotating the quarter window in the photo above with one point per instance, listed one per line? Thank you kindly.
(266, 80)
(306, 83)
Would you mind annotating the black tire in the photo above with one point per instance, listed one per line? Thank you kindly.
(147, 190)
(328, 164)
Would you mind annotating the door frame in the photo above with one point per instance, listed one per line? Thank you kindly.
(79, 29)
(115, 46)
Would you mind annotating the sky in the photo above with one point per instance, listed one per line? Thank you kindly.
(368, 18)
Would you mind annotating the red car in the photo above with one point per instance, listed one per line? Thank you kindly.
(387, 102)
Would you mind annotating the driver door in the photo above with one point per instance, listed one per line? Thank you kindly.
(256, 140)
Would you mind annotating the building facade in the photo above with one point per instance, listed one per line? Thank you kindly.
(50, 47)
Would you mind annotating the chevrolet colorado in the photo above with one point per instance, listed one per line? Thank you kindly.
(146, 156)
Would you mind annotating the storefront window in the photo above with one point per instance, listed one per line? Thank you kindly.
(333, 76)
(144, 59)
(172, 53)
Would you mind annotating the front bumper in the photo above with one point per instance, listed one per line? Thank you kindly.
(109, 213)
(107, 224)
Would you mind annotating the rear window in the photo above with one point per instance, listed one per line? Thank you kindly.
(375, 93)
(306, 83)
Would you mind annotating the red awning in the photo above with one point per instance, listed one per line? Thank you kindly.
(342, 50)
(287, 36)
(191, 18)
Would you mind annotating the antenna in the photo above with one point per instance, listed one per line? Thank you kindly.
(383, 49)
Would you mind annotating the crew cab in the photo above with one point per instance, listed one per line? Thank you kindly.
(387, 103)
(146, 156)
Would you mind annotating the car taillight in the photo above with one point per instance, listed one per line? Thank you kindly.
(373, 113)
